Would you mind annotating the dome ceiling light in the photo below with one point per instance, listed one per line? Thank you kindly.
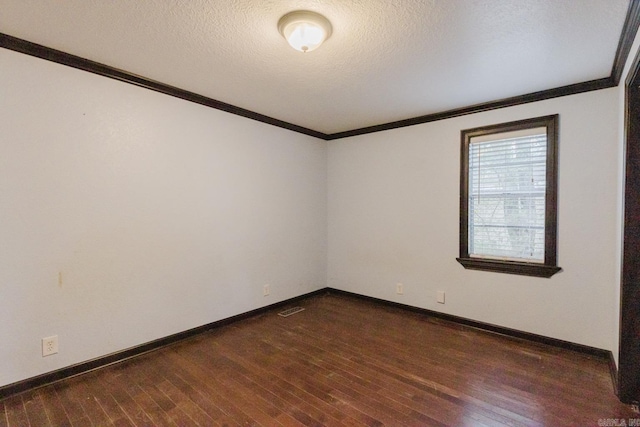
(304, 30)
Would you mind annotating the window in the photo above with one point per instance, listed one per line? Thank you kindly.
(508, 188)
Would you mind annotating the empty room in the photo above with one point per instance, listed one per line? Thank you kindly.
(319, 212)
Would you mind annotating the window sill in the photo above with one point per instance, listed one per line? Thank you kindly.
(511, 267)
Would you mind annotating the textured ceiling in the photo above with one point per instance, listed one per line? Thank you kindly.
(387, 60)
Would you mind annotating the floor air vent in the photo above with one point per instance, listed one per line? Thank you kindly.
(288, 312)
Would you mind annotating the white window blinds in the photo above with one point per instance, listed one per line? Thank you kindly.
(507, 184)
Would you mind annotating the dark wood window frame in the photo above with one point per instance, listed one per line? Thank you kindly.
(549, 267)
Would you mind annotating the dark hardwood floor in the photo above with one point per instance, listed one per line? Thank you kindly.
(341, 362)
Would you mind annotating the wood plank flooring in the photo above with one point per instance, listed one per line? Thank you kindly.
(340, 362)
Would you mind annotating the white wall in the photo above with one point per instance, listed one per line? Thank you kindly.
(394, 211)
(128, 215)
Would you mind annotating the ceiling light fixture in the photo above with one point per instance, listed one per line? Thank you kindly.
(304, 30)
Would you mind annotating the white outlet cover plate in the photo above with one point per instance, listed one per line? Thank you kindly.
(49, 345)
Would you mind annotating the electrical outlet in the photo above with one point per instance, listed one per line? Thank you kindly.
(49, 345)
(399, 288)
(440, 297)
(266, 290)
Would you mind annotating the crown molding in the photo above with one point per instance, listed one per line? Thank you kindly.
(478, 108)
(627, 36)
(60, 57)
(629, 30)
